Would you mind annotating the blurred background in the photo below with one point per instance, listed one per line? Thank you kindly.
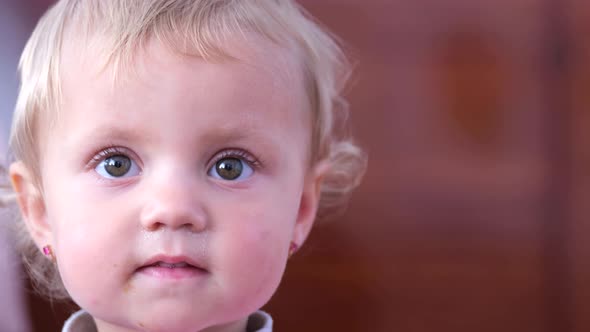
(473, 213)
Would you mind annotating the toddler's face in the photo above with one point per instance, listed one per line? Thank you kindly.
(172, 196)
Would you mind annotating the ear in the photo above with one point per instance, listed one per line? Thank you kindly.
(31, 203)
(310, 199)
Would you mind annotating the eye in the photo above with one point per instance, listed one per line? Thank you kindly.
(117, 166)
(231, 169)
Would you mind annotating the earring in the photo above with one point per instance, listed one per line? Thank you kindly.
(48, 253)
(293, 247)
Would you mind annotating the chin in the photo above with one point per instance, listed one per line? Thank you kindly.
(172, 323)
(166, 318)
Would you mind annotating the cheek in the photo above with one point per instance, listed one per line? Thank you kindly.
(255, 247)
(81, 261)
(86, 250)
(77, 223)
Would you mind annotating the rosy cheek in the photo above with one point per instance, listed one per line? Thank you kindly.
(255, 255)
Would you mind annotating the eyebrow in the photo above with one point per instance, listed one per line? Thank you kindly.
(113, 132)
(234, 133)
(222, 135)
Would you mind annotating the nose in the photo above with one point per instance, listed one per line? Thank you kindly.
(173, 204)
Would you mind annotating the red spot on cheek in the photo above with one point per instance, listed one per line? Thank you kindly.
(127, 288)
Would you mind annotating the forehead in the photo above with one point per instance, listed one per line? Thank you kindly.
(98, 52)
(258, 85)
(89, 58)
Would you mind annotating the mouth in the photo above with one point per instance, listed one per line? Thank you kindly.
(172, 267)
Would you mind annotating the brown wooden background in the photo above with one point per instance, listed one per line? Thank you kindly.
(473, 215)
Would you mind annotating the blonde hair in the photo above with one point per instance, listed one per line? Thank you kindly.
(198, 28)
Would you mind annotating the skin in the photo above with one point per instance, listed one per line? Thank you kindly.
(174, 117)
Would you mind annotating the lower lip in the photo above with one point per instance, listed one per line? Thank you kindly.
(172, 273)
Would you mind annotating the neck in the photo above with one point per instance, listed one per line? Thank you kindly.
(237, 326)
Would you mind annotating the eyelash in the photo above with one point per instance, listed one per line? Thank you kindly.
(228, 153)
(239, 154)
(107, 153)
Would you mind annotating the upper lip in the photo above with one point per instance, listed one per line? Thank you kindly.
(172, 260)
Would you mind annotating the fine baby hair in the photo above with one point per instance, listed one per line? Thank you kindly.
(106, 48)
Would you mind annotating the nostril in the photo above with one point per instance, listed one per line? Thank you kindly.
(190, 227)
(152, 227)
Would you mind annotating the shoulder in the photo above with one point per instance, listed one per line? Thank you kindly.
(81, 321)
(259, 321)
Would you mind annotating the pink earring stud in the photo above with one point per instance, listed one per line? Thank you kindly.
(48, 253)
(293, 247)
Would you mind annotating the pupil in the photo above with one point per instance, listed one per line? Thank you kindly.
(117, 165)
(229, 168)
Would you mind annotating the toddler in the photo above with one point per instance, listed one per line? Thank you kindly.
(170, 155)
